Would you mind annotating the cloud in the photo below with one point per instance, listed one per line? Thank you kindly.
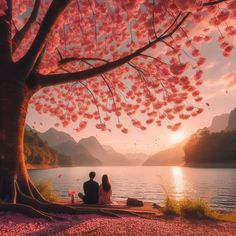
(212, 83)
(214, 87)
(229, 80)
(210, 65)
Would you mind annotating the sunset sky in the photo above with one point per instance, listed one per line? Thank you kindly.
(219, 77)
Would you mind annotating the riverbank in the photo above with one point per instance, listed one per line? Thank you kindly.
(193, 165)
(16, 224)
(41, 167)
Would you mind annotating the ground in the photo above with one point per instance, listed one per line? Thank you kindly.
(17, 225)
(12, 224)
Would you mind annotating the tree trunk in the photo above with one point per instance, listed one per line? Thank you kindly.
(17, 193)
(14, 99)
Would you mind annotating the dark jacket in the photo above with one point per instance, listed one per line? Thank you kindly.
(91, 192)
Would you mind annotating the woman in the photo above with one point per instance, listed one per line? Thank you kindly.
(105, 191)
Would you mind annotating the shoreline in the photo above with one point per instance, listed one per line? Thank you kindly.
(40, 167)
(205, 165)
(211, 165)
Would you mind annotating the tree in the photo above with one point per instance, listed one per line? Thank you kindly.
(210, 148)
(67, 57)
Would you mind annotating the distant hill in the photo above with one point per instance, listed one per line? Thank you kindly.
(108, 148)
(206, 149)
(78, 153)
(107, 155)
(219, 123)
(91, 148)
(136, 158)
(55, 137)
(175, 155)
(169, 157)
(37, 152)
(232, 121)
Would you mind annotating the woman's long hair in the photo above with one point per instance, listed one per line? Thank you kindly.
(105, 183)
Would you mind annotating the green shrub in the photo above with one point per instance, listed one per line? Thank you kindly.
(196, 208)
(188, 208)
(171, 206)
(45, 188)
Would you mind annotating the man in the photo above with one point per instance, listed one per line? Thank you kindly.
(90, 190)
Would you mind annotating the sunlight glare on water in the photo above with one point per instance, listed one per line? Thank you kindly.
(178, 181)
(150, 183)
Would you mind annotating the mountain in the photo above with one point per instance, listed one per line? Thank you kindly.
(55, 137)
(175, 155)
(232, 121)
(219, 123)
(78, 153)
(38, 152)
(169, 157)
(107, 155)
(87, 152)
(136, 158)
(69, 153)
(108, 148)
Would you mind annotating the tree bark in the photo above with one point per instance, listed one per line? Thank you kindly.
(14, 99)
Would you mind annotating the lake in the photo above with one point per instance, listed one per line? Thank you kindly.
(150, 183)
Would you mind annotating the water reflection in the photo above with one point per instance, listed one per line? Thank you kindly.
(152, 183)
(178, 182)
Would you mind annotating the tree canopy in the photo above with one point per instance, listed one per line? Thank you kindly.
(108, 58)
(205, 147)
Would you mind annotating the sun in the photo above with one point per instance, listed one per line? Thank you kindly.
(177, 137)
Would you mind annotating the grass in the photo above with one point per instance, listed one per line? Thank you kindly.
(224, 216)
(46, 189)
(195, 209)
(171, 207)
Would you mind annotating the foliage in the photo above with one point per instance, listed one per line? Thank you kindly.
(225, 216)
(137, 57)
(171, 206)
(65, 160)
(37, 152)
(206, 147)
(45, 188)
(188, 208)
(194, 208)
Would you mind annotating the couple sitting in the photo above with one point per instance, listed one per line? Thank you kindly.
(93, 193)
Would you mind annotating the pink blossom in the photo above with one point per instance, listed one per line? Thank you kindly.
(178, 69)
(71, 193)
(3, 7)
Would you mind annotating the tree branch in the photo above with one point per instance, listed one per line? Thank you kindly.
(48, 23)
(154, 58)
(19, 35)
(173, 23)
(64, 61)
(54, 79)
(212, 3)
(5, 35)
